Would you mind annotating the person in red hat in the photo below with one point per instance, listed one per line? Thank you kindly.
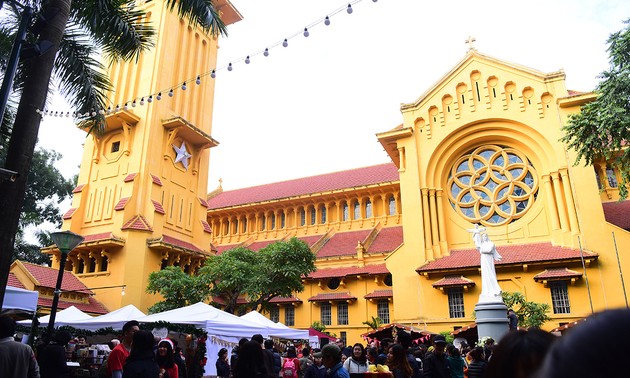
(168, 367)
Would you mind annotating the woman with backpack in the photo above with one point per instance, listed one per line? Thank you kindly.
(291, 364)
(357, 362)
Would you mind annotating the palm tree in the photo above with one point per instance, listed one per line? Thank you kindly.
(77, 30)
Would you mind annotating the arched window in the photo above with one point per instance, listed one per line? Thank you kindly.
(612, 177)
(322, 211)
(312, 215)
(263, 222)
(273, 221)
(345, 211)
(282, 220)
(302, 217)
(357, 210)
(392, 205)
(368, 209)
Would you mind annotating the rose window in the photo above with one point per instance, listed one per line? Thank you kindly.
(492, 185)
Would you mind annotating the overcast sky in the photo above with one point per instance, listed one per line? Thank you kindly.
(315, 106)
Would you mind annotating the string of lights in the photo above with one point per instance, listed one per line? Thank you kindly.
(212, 73)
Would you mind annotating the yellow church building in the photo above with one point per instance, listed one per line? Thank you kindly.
(479, 147)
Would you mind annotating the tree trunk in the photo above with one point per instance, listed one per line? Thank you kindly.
(24, 136)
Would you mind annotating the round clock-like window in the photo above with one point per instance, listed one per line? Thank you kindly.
(492, 185)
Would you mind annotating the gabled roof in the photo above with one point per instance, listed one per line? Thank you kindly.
(474, 55)
(14, 282)
(387, 293)
(291, 299)
(137, 222)
(332, 297)
(512, 254)
(617, 213)
(454, 281)
(349, 271)
(167, 241)
(376, 174)
(557, 274)
(93, 306)
(44, 276)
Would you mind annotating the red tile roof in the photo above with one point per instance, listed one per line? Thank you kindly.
(557, 274)
(93, 306)
(387, 293)
(203, 202)
(387, 240)
(310, 240)
(343, 244)
(158, 207)
(97, 237)
(130, 177)
(180, 243)
(137, 222)
(617, 213)
(206, 227)
(121, 203)
(349, 271)
(14, 282)
(332, 297)
(315, 184)
(47, 277)
(78, 189)
(454, 281)
(512, 254)
(223, 248)
(156, 180)
(291, 299)
(257, 246)
(69, 213)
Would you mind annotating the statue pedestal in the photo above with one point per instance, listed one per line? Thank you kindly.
(491, 319)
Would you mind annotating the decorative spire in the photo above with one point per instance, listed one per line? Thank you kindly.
(470, 42)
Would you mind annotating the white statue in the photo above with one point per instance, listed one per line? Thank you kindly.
(490, 290)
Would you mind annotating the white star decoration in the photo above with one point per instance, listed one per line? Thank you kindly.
(182, 155)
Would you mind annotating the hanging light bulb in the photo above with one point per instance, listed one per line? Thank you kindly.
(101, 111)
(247, 60)
(349, 10)
(67, 114)
(184, 86)
(285, 43)
(142, 101)
(150, 99)
(170, 93)
(117, 108)
(213, 74)
(159, 96)
(122, 292)
(93, 113)
(56, 114)
(126, 107)
(198, 80)
(229, 66)
(133, 104)
(306, 33)
(327, 21)
(374, 1)
(266, 53)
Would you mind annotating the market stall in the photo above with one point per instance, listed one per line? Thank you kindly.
(278, 330)
(19, 300)
(223, 329)
(64, 317)
(115, 319)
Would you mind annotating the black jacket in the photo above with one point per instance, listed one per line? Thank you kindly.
(476, 369)
(145, 368)
(223, 369)
(52, 362)
(436, 366)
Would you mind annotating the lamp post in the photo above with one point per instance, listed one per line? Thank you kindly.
(66, 241)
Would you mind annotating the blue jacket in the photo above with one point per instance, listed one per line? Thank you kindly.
(338, 371)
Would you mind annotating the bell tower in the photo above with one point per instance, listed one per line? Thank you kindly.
(140, 199)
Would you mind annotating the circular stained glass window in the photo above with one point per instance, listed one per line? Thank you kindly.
(492, 185)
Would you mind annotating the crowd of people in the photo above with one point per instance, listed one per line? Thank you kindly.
(520, 354)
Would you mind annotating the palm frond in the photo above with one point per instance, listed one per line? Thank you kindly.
(120, 28)
(201, 13)
(82, 78)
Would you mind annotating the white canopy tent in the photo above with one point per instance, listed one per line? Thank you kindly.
(115, 319)
(224, 329)
(276, 329)
(16, 299)
(63, 317)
